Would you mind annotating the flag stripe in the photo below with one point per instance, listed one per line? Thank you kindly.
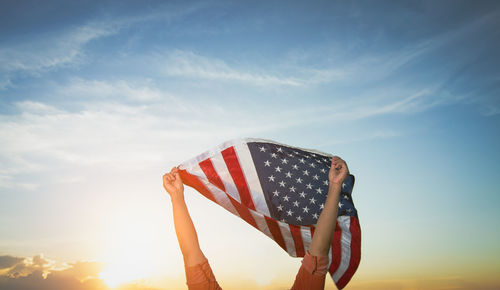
(355, 253)
(336, 252)
(221, 168)
(287, 236)
(234, 167)
(212, 176)
(261, 223)
(306, 237)
(345, 242)
(215, 194)
(252, 179)
(244, 212)
(276, 232)
(297, 239)
(194, 182)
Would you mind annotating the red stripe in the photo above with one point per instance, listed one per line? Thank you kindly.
(276, 232)
(209, 170)
(336, 249)
(297, 239)
(243, 211)
(234, 167)
(355, 230)
(193, 181)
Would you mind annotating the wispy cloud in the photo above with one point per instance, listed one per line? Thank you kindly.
(51, 52)
(188, 64)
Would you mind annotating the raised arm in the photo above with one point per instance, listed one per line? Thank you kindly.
(323, 235)
(184, 228)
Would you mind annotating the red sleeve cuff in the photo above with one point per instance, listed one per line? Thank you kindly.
(317, 265)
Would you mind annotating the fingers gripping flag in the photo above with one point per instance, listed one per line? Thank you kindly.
(280, 190)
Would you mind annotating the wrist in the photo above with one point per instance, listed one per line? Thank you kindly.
(177, 198)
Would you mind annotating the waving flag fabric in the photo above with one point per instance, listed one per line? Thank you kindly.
(280, 190)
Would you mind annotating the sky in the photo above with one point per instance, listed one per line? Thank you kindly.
(99, 98)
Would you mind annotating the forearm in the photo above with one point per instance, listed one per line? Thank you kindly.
(323, 234)
(186, 233)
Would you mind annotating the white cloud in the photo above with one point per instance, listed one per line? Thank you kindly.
(191, 65)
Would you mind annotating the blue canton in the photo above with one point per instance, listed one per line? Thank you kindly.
(295, 183)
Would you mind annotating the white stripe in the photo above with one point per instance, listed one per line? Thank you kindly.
(220, 196)
(260, 220)
(252, 179)
(345, 243)
(305, 232)
(223, 172)
(330, 258)
(287, 236)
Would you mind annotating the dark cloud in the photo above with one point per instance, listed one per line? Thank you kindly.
(9, 261)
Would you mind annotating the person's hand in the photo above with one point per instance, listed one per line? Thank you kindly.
(338, 171)
(173, 184)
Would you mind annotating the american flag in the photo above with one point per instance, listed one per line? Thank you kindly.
(280, 190)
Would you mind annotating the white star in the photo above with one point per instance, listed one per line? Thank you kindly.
(322, 170)
(319, 190)
(302, 194)
(318, 161)
(278, 169)
(282, 183)
(280, 207)
(301, 160)
(279, 149)
(321, 206)
(267, 163)
(284, 161)
(292, 189)
(288, 174)
(299, 180)
(295, 167)
(343, 185)
(276, 193)
(340, 204)
(316, 177)
(282, 220)
(296, 203)
(299, 218)
(289, 212)
(326, 160)
(271, 178)
(312, 165)
(291, 155)
(315, 216)
(306, 172)
(346, 197)
(296, 152)
(309, 186)
(286, 198)
(349, 209)
(273, 155)
(262, 149)
(306, 209)
(313, 155)
(312, 200)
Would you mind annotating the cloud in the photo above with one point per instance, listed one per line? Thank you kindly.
(50, 52)
(9, 261)
(41, 273)
(191, 65)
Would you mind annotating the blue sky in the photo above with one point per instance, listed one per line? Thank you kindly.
(99, 98)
